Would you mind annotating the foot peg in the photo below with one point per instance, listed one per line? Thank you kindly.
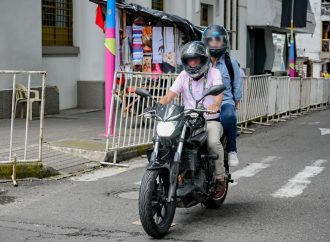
(229, 178)
(211, 157)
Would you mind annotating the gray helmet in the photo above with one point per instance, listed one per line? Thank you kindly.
(195, 49)
(219, 32)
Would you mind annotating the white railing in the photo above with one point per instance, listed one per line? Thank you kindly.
(294, 94)
(25, 78)
(256, 97)
(128, 128)
(264, 98)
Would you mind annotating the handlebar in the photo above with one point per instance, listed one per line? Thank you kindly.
(202, 110)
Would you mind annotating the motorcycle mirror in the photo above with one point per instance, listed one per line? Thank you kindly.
(142, 92)
(213, 91)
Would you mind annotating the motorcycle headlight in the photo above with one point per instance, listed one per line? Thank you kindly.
(165, 129)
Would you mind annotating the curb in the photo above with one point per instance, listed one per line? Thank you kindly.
(127, 153)
(26, 169)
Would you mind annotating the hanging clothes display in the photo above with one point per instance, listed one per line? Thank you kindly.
(168, 39)
(137, 41)
(146, 67)
(147, 39)
(126, 52)
(178, 46)
(157, 45)
(145, 35)
(129, 33)
(169, 62)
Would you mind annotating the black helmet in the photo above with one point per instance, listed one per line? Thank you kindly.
(216, 31)
(192, 50)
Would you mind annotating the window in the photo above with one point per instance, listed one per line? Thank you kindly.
(57, 23)
(157, 4)
(279, 51)
(204, 15)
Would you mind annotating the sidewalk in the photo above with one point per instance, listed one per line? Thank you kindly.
(73, 139)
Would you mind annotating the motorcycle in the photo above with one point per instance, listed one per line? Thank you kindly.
(180, 172)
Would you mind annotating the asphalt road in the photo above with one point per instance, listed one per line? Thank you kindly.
(282, 194)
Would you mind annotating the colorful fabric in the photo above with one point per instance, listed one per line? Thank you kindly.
(181, 86)
(146, 67)
(137, 42)
(100, 18)
(157, 45)
(147, 39)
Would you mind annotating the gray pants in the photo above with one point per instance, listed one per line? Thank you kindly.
(214, 133)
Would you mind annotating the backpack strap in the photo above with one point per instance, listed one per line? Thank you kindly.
(230, 69)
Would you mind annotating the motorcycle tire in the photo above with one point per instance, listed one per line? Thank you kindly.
(152, 201)
(210, 203)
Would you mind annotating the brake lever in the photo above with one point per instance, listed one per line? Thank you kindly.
(142, 114)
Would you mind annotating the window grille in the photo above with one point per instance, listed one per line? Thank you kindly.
(57, 23)
(158, 5)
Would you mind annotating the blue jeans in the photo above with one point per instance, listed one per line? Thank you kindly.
(229, 123)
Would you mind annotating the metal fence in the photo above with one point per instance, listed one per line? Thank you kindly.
(264, 98)
(25, 78)
(128, 128)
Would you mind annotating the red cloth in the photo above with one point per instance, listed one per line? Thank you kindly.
(100, 18)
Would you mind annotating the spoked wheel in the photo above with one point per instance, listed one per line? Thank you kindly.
(156, 214)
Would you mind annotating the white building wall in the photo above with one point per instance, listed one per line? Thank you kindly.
(90, 39)
(20, 38)
(240, 53)
(310, 44)
(88, 65)
(264, 12)
(63, 72)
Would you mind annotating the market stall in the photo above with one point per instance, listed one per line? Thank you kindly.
(148, 40)
(142, 50)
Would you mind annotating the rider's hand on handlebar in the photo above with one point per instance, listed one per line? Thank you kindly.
(214, 108)
(149, 109)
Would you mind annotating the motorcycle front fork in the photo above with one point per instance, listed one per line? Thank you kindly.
(174, 170)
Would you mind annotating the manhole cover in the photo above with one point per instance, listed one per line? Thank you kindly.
(133, 195)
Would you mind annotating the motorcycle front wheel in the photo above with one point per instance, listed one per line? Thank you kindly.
(156, 214)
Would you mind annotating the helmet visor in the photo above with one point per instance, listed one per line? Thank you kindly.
(217, 42)
(193, 62)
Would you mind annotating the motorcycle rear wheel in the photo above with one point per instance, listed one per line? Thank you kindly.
(156, 214)
(210, 203)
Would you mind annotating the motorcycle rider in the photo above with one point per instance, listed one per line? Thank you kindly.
(192, 82)
(216, 38)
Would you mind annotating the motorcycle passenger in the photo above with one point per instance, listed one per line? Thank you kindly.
(192, 82)
(216, 38)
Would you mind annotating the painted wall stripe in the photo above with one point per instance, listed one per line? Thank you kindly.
(299, 182)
